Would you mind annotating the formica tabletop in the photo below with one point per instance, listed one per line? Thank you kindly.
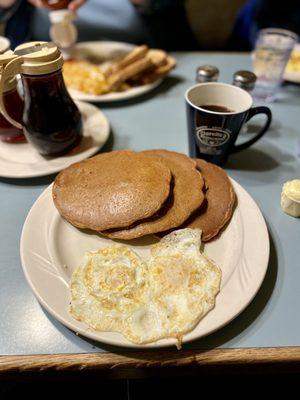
(268, 331)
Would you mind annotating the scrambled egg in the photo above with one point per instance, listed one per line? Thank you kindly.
(85, 77)
(88, 78)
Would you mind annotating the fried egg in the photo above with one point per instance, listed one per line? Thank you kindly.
(110, 285)
(183, 284)
(115, 290)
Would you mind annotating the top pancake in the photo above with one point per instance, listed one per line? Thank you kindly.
(220, 201)
(111, 190)
(186, 198)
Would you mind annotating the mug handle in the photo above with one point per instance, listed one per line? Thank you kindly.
(254, 111)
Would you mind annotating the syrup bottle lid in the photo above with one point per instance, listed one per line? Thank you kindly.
(39, 58)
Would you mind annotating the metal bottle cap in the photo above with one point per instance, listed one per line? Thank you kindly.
(207, 73)
(38, 58)
(244, 79)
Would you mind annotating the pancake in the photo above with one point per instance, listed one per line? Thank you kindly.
(186, 198)
(220, 201)
(111, 190)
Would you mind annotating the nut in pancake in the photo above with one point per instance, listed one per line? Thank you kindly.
(111, 190)
(220, 201)
(187, 197)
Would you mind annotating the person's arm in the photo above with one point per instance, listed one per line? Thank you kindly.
(73, 6)
(6, 3)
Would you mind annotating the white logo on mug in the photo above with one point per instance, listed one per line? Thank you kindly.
(213, 137)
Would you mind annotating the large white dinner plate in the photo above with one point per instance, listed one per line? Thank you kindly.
(22, 160)
(51, 249)
(293, 76)
(105, 51)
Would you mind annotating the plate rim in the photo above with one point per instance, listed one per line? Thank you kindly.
(57, 169)
(158, 344)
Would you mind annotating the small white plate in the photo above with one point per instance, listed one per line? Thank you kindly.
(292, 76)
(51, 249)
(23, 161)
(104, 51)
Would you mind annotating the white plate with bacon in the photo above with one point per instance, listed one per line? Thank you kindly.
(113, 71)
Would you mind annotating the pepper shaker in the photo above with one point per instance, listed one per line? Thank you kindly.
(245, 80)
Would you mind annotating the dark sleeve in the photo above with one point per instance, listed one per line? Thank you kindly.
(17, 22)
(167, 25)
(275, 14)
(7, 13)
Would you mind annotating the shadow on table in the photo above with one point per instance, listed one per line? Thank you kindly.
(166, 85)
(290, 94)
(257, 160)
(219, 338)
(46, 180)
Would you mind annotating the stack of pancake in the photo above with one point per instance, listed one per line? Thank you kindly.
(126, 195)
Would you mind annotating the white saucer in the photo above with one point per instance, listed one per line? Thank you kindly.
(23, 161)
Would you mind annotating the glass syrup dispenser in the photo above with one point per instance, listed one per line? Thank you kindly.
(14, 106)
(51, 120)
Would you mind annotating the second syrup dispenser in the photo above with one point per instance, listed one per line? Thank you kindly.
(51, 120)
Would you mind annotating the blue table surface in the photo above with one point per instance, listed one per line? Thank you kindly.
(157, 120)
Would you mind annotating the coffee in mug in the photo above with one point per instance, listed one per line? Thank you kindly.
(216, 113)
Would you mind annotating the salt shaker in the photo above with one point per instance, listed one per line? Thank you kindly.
(207, 73)
(245, 80)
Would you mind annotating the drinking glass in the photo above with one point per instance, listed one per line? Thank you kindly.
(272, 52)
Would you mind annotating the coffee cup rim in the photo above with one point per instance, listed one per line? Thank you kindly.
(218, 84)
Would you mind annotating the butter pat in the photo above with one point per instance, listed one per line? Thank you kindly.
(290, 198)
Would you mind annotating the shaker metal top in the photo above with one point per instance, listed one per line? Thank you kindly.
(207, 73)
(244, 79)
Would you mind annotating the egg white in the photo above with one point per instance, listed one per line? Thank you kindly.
(115, 290)
(183, 284)
(110, 285)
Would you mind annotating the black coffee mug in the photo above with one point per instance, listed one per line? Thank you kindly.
(216, 113)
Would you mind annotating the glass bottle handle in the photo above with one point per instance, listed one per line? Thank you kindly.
(9, 71)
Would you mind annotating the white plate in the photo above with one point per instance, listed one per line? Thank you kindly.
(104, 51)
(51, 249)
(23, 161)
(292, 76)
